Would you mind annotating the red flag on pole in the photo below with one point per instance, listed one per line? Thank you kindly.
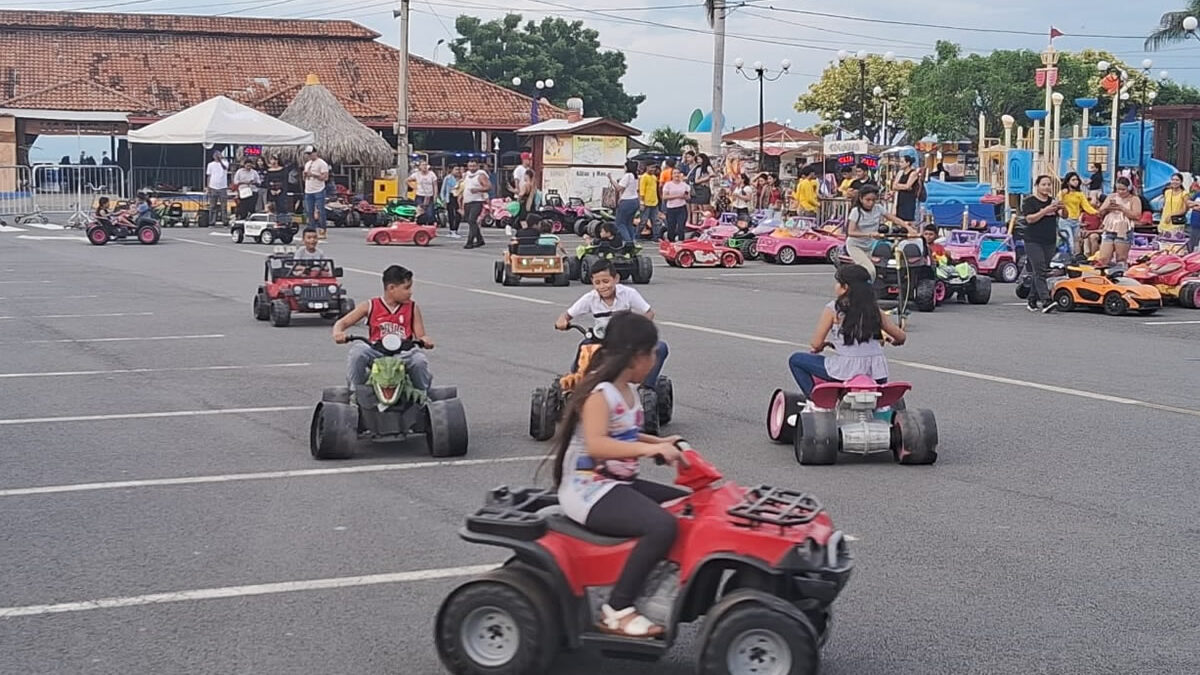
(1054, 32)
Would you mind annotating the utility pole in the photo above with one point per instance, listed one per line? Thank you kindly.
(718, 120)
(402, 101)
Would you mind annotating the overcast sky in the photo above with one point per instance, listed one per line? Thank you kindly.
(669, 49)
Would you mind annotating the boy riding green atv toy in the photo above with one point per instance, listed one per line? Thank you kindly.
(625, 256)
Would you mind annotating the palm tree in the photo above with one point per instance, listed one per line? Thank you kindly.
(1170, 27)
(668, 141)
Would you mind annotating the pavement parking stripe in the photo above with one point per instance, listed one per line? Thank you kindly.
(150, 415)
(52, 237)
(77, 316)
(1066, 391)
(774, 274)
(263, 475)
(125, 371)
(211, 336)
(43, 281)
(1169, 323)
(243, 591)
(47, 297)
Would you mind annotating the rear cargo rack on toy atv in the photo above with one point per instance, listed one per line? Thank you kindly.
(777, 506)
(507, 522)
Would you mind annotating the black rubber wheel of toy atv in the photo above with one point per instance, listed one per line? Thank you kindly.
(980, 292)
(498, 271)
(541, 415)
(262, 307)
(1114, 304)
(572, 264)
(643, 270)
(238, 235)
(1007, 272)
(335, 395)
(650, 421)
(579, 227)
(333, 430)
(1189, 295)
(783, 414)
(560, 279)
(281, 314)
(665, 389)
(751, 637)
(442, 393)
(585, 268)
(816, 438)
(925, 294)
(914, 437)
(1064, 300)
(508, 278)
(1022, 290)
(446, 428)
(504, 622)
(786, 256)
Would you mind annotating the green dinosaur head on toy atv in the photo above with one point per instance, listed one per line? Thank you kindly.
(392, 384)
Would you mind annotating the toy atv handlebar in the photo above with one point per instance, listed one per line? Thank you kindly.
(895, 232)
(589, 333)
(683, 447)
(387, 345)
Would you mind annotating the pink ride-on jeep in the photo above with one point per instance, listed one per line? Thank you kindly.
(991, 254)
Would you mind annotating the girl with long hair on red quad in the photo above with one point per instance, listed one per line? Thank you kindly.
(856, 324)
(596, 458)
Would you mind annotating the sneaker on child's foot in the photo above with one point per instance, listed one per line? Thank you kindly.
(1032, 304)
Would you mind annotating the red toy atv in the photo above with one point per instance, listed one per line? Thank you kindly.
(699, 253)
(762, 564)
(305, 286)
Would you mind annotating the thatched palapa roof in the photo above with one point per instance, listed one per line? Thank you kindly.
(341, 139)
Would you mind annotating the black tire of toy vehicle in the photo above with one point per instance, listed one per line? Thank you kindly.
(560, 279)
(1063, 298)
(281, 314)
(643, 270)
(924, 295)
(585, 268)
(266, 237)
(1006, 273)
(286, 237)
(508, 278)
(1187, 294)
(665, 389)
(1114, 304)
(157, 234)
(262, 308)
(751, 250)
(832, 255)
(572, 264)
(792, 400)
(525, 601)
(335, 395)
(980, 292)
(800, 637)
(345, 306)
(446, 428)
(650, 421)
(579, 227)
(333, 430)
(97, 235)
(786, 256)
(541, 415)
(816, 438)
(238, 235)
(1022, 290)
(498, 271)
(916, 431)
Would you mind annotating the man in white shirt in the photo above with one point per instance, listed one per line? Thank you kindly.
(426, 181)
(518, 175)
(316, 175)
(475, 193)
(217, 173)
(607, 297)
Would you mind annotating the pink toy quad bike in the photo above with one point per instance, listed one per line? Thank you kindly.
(859, 417)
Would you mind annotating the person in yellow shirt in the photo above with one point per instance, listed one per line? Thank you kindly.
(804, 197)
(844, 187)
(648, 200)
(1074, 204)
(1175, 206)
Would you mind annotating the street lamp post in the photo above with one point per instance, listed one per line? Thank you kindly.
(1189, 26)
(538, 87)
(861, 57)
(761, 74)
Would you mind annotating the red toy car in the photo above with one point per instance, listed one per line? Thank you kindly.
(762, 564)
(699, 253)
(402, 232)
(305, 286)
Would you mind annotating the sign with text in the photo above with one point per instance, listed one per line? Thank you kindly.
(599, 150)
(854, 147)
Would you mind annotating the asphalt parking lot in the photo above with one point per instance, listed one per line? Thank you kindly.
(161, 512)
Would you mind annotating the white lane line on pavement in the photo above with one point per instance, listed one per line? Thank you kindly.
(52, 237)
(1169, 323)
(966, 373)
(42, 281)
(77, 316)
(128, 371)
(149, 415)
(211, 336)
(219, 234)
(10, 228)
(47, 297)
(262, 475)
(243, 591)
(44, 226)
(776, 274)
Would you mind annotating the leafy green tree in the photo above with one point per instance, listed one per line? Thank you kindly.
(1173, 93)
(563, 51)
(670, 141)
(842, 88)
(1170, 26)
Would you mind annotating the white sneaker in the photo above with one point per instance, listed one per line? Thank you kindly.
(454, 235)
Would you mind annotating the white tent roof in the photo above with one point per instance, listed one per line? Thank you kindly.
(221, 121)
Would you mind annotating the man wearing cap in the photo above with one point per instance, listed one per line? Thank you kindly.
(217, 174)
(518, 176)
(316, 175)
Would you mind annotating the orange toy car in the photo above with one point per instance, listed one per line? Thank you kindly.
(1108, 290)
(541, 260)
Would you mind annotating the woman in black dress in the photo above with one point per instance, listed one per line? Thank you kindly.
(905, 186)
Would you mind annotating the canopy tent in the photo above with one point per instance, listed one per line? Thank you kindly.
(221, 121)
(341, 138)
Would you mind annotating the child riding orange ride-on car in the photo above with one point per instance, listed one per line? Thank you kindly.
(534, 254)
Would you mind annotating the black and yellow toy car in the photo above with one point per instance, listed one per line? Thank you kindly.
(1105, 289)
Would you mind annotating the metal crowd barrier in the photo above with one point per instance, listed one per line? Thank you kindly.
(166, 179)
(17, 202)
(834, 211)
(73, 191)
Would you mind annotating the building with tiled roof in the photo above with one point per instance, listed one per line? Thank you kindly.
(63, 71)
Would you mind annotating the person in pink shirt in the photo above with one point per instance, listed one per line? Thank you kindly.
(675, 195)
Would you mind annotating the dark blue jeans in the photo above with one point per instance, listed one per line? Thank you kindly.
(806, 365)
(626, 210)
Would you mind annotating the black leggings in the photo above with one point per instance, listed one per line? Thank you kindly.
(632, 510)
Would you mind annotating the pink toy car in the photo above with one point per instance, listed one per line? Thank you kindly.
(798, 244)
(991, 254)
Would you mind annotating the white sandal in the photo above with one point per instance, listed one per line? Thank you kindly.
(628, 623)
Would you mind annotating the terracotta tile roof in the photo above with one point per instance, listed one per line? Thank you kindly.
(772, 132)
(154, 65)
